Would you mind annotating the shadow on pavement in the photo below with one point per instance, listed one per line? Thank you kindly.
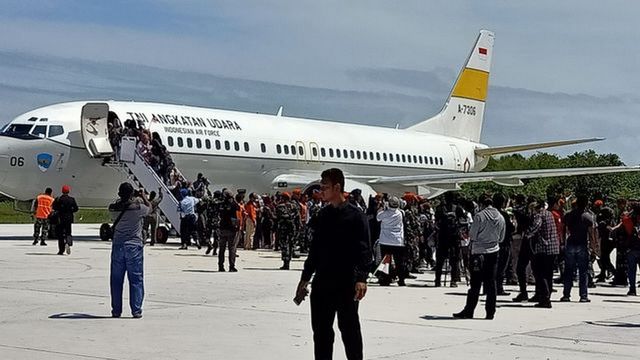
(202, 271)
(77, 316)
(436, 317)
(622, 301)
(45, 254)
(456, 293)
(613, 324)
(269, 269)
(607, 295)
(200, 255)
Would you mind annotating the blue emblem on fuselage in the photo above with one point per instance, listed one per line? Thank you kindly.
(44, 161)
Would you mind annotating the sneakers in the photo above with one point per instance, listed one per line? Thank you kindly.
(115, 316)
(585, 300)
(565, 299)
(42, 243)
(632, 292)
(67, 249)
(463, 315)
(221, 269)
(35, 242)
(522, 297)
(401, 283)
(209, 248)
(233, 269)
(137, 316)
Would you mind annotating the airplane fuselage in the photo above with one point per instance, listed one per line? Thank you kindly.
(237, 150)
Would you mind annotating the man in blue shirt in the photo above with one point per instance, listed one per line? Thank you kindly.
(187, 208)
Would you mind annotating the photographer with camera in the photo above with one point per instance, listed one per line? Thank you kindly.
(127, 253)
(229, 225)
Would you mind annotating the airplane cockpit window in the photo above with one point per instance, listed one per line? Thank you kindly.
(19, 131)
(39, 131)
(55, 130)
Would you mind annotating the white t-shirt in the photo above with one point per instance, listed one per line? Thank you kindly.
(391, 227)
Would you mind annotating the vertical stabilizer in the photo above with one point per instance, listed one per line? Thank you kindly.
(463, 112)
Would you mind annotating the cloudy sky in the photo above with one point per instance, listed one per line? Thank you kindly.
(561, 69)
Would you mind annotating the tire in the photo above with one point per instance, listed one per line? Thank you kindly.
(162, 235)
(104, 232)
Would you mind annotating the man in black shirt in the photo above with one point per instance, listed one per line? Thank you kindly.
(340, 256)
(64, 206)
(228, 227)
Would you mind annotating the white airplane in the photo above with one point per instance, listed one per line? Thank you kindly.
(64, 143)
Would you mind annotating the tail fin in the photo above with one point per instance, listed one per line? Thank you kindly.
(463, 112)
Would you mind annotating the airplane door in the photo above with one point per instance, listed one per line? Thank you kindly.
(456, 157)
(94, 130)
(314, 152)
(301, 154)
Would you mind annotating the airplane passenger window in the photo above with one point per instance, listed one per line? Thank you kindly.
(404, 159)
(408, 157)
(278, 149)
(323, 152)
(55, 130)
(441, 161)
(431, 160)
(384, 156)
(314, 151)
(198, 143)
(293, 150)
(39, 131)
(415, 159)
(398, 157)
(189, 142)
(246, 146)
(236, 146)
(330, 152)
(338, 153)
(286, 149)
(180, 142)
(378, 156)
(263, 148)
(371, 155)
(207, 143)
(218, 147)
(358, 154)
(300, 150)
(169, 139)
(345, 154)
(420, 159)
(227, 145)
(364, 155)
(353, 156)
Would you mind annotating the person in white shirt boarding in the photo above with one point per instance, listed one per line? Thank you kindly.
(340, 257)
(127, 256)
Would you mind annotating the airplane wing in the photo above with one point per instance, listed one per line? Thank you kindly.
(505, 178)
(517, 148)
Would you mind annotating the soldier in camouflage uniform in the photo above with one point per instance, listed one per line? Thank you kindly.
(412, 234)
(287, 218)
(213, 222)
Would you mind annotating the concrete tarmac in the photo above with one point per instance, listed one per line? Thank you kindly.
(57, 307)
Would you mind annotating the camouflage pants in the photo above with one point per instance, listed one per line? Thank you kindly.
(286, 239)
(41, 229)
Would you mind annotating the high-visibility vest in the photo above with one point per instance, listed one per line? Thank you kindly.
(44, 202)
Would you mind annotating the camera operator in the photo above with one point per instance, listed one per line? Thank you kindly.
(127, 254)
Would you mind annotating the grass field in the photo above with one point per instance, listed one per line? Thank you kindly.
(89, 216)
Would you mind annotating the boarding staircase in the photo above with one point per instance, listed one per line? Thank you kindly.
(143, 176)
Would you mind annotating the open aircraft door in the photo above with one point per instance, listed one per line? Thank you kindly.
(94, 129)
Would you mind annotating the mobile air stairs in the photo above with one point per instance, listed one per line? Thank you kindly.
(95, 135)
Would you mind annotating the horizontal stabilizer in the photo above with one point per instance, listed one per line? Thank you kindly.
(517, 148)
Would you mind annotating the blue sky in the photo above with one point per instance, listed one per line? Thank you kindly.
(556, 64)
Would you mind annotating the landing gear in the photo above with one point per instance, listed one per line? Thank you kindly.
(162, 235)
(105, 232)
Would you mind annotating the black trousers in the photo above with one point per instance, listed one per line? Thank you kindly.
(524, 258)
(398, 253)
(63, 232)
(543, 272)
(605, 264)
(327, 300)
(483, 274)
(443, 251)
(188, 227)
(504, 259)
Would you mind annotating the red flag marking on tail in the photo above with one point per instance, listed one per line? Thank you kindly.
(482, 51)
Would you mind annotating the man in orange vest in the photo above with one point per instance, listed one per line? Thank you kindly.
(41, 211)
